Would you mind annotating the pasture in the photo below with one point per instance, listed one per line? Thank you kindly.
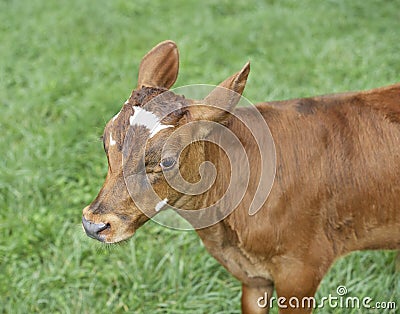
(68, 66)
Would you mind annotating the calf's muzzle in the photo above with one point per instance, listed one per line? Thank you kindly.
(93, 229)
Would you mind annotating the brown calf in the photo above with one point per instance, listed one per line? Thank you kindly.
(335, 190)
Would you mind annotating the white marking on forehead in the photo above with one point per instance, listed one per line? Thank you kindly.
(161, 204)
(112, 142)
(147, 119)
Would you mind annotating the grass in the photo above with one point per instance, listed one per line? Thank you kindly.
(66, 68)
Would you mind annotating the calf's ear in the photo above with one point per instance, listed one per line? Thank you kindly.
(159, 67)
(216, 106)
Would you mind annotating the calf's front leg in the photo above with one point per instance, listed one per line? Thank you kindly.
(296, 287)
(255, 300)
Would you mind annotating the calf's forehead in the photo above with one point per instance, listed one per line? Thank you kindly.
(147, 112)
(149, 106)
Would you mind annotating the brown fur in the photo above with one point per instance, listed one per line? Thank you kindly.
(336, 187)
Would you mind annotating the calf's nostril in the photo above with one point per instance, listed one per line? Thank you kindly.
(93, 229)
(106, 226)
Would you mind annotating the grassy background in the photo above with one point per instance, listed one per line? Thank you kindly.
(66, 67)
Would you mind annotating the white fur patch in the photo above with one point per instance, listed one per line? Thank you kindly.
(112, 142)
(147, 119)
(161, 204)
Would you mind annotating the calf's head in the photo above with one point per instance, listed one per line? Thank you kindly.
(149, 149)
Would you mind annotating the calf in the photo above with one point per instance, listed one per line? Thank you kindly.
(334, 163)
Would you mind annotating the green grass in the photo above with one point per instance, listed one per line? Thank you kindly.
(66, 67)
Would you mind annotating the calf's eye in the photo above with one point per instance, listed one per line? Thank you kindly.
(167, 163)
